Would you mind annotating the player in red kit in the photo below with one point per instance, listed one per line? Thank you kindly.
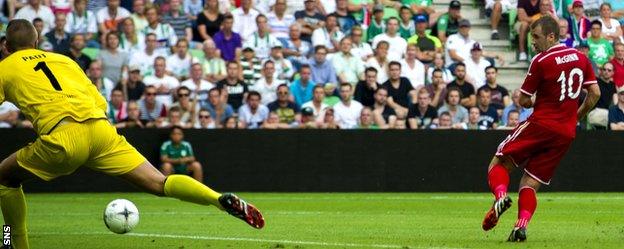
(555, 79)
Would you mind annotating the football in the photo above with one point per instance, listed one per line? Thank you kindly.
(121, 216)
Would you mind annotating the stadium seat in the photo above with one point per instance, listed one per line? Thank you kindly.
(197, 53)
(92, 53)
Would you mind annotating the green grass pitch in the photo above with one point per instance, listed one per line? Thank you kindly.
(334, 220)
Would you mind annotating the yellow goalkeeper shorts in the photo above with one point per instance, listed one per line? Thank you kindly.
(93, 143)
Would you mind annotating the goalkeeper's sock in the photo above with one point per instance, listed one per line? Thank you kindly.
(13, 205)
(188, 189)
(527, 203)
(498, 179)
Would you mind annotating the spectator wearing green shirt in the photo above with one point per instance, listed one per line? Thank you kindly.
(177, 156)
(448, 23)
(600, 49)
(377, 25)
(406, 26)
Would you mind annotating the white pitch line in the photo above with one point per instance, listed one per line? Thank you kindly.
(295, 242)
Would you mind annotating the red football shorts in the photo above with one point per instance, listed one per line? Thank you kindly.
(540, 148)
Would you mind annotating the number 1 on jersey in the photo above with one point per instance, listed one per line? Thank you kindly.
(570, 80)
(46, 70)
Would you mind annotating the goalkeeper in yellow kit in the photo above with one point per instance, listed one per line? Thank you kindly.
(68, 114)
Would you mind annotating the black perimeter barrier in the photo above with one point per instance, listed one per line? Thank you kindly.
(348, 161)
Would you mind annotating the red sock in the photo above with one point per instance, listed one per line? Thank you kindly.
(527, 202)
(498, 179)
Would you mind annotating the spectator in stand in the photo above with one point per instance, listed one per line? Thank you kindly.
(453, 106)
(526, 10)
(316, 104)
(228, 42)
(214, 66)
(218, 107)
(365, 89)
(412, 68)
(283, 67)
(287, 111)
(366, 120)
(244, 18)
(616, 112)
(448, 23)
(197, 85)
(499, 96)
(151, 109)
(110, 17)
(192, 8)
(469, 99)
(9, 115)
(515, 106)
(262, 40)
(93, 5)
(82, 21)
(384, 116)
(134, 87)
(164, 83)
(205, 121)
(42, 43)
(309, 19)
(513, 119)
(116, 107)
(329, 35)
(598, 117)
(583, 47)
(618, 64)
(233, 86)
(380, 61)
(407, 27)
(280, 22)
(178, 20)
(445, 122)
(422, 115)
(397, 44)
(489, 114)
(252, 113)
(359, 48)
(114, 62)
(495, 9)
(377, 26)
(345, 20)
(208, 21)
(611, 28)
(188, 107)
(329, 121)
(473, 120)
(101, 82)
(438, 63)
(133, 120)
(76, 44)
(349, 68)
(267, 85)
(233, 123)
(426, 44)
(437, 89)
(144, 59)
(323, 71)
(564, 35)
(399, 90)
(458, 45)
(130, 39)
(251, 66)
(138, 15)
(600, 49)
(165, 34)
(301, 88)
(179, 64)
(7, 11)
(177, 156)
(579, 25)
(347, 111)
(35, 9)
(476, 65)
(297, 50)
(307, 119)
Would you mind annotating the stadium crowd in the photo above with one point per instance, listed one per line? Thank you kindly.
(332, 64)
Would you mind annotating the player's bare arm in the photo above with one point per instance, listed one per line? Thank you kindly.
(593, 94)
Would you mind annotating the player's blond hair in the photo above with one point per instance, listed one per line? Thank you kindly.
(20, 34)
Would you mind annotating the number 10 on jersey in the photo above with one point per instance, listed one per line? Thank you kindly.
(571, 93)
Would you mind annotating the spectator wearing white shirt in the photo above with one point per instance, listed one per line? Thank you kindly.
(179, 64)
(328, 36)
(476, 65)
(9, 115)
(197, 85)
(380, 61)
(283, 67)
(253, 113)
(267, 85)
(102, 83)
(317, 104)
(327, 6)
(138, 15)
(347, 111)
(279, 21)
(164, 83)
(130, 39)
(261, 40)
(349, 68)
(35, 9)
(396, 42)
(458, 45)
(360, 49)
(412, 68)
(245, 19)
(144, 59)
(81, 21)
(165, 34)
(109, 18)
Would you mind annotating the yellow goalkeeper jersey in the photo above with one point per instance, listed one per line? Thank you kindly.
(48, 87)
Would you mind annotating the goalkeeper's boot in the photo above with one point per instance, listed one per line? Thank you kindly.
(239, 208)
(491, 218)
(518, 234)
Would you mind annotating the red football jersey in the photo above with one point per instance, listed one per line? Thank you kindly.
(557, 77)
